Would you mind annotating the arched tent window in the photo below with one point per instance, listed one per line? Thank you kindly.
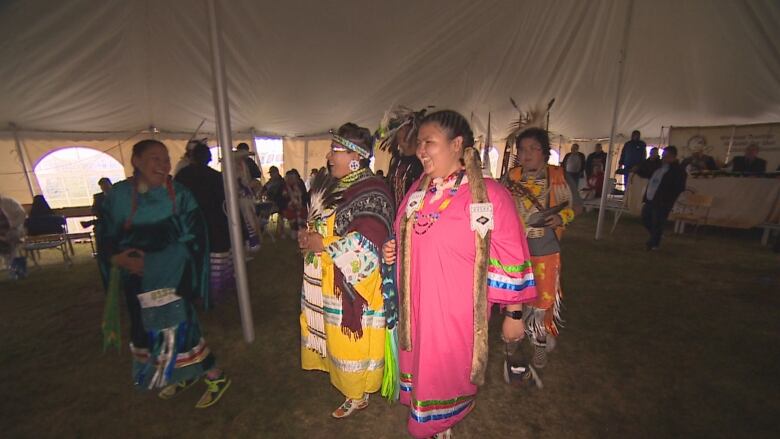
(68, 176)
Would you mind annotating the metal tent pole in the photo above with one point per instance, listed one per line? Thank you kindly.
(228, 166)
(615, 111)
(23, 159)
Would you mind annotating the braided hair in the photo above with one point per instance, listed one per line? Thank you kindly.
(453, 123)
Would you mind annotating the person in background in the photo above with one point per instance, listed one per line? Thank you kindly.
(207, 187)
(254, 171)
(97, 201)
(313, 173)
(342, 316)
(667, 182)
(184, 161)
(380, 173)
(12, 217)
(297, 199)
(597, 158)
(654, 155)
(547, 204)
(98, 222)
(274, 191)
(574, 165)
(633, 153)
(450, 274)
(749, 163)
(42, 219)
(158, 241)
(698, 161)
(399, 136)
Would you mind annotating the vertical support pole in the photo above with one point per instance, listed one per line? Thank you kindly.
(228, 167)
(615, 111)
(731, 143)
(20, 151)
(305, 158)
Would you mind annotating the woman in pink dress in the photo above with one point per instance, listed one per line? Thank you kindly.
(460, 247)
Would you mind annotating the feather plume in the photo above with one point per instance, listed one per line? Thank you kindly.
(392, 122)
(533, 118)
(324, 196)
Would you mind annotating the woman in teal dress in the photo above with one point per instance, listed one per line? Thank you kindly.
(157, 237)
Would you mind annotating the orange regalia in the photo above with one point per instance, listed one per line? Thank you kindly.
(536, 192)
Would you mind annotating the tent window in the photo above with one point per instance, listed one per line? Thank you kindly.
(68, 176)
(270, 151)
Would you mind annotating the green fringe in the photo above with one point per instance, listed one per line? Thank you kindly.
(391, 378)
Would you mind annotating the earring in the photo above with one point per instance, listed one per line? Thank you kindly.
(354, 165)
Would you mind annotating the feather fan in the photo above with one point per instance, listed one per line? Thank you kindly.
(323, 197)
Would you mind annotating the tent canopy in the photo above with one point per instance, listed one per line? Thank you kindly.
(303, 67)
(96, 72)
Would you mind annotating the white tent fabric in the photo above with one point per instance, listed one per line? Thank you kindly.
(302, 67)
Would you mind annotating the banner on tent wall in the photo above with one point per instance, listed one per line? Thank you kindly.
(715, 141)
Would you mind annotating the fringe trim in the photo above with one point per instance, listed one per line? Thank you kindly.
(315, 321)
(405, 287)
(479, 195)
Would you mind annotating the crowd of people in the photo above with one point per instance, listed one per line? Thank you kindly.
(401, 272)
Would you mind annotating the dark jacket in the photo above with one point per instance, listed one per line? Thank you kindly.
(254, 171)
(672, 184)
(740, 164)
(634, 151)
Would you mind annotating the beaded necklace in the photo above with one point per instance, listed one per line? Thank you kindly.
(421, 227)
(351, 178)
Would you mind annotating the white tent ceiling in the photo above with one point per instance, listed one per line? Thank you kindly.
(302, 67)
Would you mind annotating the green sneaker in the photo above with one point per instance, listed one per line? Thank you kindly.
(214, 390)
(172, 390)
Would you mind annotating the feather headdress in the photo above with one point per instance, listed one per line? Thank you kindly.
(324, 196)
(533, 118)
(393, 121)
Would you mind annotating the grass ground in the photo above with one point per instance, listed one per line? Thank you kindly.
(681, 342)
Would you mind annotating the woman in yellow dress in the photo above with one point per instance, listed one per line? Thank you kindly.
(342, 309)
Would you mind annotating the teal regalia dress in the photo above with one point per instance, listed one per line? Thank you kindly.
(167, 225)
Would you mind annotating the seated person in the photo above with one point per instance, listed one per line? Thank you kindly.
(698, 161)
(749, 163)
(42, 220)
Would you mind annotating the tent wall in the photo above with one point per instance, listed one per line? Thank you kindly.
(715, 141)
(318, 147)
(38, 145)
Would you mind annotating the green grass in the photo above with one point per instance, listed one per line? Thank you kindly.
(681, 342)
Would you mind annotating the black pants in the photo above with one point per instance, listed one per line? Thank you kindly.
(575, 177)
(654, 219)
